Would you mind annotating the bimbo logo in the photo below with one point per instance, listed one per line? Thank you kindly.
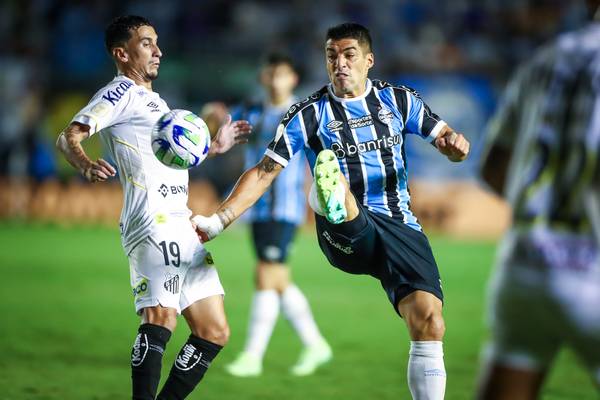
(115, 95)
(188, 358)
(343, 150)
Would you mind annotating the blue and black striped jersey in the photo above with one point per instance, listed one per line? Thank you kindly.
(285, 200)
(367, 133)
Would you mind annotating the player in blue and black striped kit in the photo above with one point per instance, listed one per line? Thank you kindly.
(275, 218)
(353, 132)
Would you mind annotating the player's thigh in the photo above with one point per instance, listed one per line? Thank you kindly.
(524, 319)
(507, 383)
(207, 319)
(156, 268)
(359, 254)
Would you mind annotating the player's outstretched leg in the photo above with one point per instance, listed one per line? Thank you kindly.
(330, 191)
(422, 312)
(210, 332)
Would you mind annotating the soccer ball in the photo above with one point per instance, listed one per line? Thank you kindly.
(180, 139)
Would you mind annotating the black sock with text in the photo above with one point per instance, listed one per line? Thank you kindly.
(190, 365)
(146, 360)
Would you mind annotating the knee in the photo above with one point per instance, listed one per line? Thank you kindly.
(162, 316)
(218, 334)
(428, 325)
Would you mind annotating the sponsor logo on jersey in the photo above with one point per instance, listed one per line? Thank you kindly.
(140, 349)
(365, 120)
(140, 287)
(188, 357)
(100, 110)
(351, 150)
(165, 190)
(113, 96)
(385, 115)
(339, 246)
(171, 283)
(153, 107)
(335, 126)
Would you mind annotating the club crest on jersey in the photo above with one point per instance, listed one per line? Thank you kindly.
(385, 116)
(188, 357)
(335, 126)
(115, 95)
(171, 283)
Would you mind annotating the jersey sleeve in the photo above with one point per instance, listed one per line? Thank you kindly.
(420, 120)
(289, 138)
(106, 108)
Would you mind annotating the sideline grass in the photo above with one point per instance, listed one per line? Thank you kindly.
(68, 322)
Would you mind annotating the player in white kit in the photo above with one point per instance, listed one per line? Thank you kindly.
(171, 272)
(542, 155)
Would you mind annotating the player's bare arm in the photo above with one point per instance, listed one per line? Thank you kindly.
(452, 144)
(69, 143)
(252, 184)
(230, 134)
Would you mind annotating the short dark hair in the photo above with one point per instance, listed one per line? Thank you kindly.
(273, 59)
(118, 32)
(351, 30)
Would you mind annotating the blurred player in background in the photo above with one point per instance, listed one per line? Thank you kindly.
(171, 272)
(542, 155)
(352, 132)
(274, 219)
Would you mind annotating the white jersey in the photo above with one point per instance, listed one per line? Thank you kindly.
(124, 114)
(550, 122)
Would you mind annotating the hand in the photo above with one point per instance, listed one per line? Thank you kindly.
(230, 134)
(99, 171)
(453, 145)
(207, 228)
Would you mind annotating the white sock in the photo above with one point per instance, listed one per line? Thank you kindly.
(426, 371)
(296, 309)
(313, 201)
(263, 316)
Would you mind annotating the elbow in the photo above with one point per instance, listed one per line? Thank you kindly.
(61, 143)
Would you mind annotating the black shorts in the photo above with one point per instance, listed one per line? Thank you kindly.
(399, 256)
(272, 240)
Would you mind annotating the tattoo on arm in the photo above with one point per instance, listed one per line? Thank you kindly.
(267, 164)
(226, 216)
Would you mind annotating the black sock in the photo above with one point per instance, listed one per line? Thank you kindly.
(146, 359)
(190, 365)
(350, 228)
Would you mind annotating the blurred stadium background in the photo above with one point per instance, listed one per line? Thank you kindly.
(64, 274)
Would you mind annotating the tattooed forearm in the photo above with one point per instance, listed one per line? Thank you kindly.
(77, 155)
(267, 164)
(226, 216)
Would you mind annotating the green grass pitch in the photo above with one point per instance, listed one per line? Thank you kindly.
(68, 322)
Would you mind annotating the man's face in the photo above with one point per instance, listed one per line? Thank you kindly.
(279, 80)
(143, 54)
(348, 65)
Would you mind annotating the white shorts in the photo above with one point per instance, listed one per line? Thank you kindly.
(535, 311)
(172, 268)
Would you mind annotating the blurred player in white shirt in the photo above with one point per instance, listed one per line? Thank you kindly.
(171, 272)
(542, 155)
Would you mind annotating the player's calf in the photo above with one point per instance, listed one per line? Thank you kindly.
(189, 368)
(146, 360)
